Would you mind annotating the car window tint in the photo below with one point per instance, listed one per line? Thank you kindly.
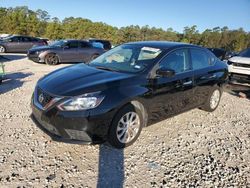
(148, 53)
(200, 59)
(84, 45)
(25, 39)
(73, 44)
(34, 39)
(15, 39)
(177, 61)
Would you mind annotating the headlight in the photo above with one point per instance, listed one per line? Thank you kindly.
(39, 52)
(84, 102)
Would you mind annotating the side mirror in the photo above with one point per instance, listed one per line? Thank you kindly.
(163, 72)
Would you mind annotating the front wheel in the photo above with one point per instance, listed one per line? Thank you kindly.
(126, 127)
(2, 49)
(213, 100)
(51, 59)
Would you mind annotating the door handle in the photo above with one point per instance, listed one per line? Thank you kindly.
(187, 83)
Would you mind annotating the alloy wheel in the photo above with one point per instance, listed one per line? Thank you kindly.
(128, 127)
(2, 49)
(215, 99)
(52, 59)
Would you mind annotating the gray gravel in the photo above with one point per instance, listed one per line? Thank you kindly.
(194, 149)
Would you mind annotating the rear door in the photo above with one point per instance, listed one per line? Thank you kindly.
(204, 74)
(25, 44)
(85, 51)
(172, 95)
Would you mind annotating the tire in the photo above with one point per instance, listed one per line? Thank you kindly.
(213, 100)
(2, 49)
(51, 59)
(118, 135)
(93, 57)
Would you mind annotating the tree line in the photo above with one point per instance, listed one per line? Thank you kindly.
(22, 20)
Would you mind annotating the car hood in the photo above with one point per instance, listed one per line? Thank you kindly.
(80, 79)
(238, 59)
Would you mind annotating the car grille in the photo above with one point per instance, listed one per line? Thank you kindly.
(241, 65)
(43, 98)
(31, 52)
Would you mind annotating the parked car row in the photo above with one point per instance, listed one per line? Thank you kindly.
(38, 50)
(239, 66)
(125, 89)
(238, 63)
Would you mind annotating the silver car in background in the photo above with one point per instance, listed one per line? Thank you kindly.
(65, 51)
(19, 43)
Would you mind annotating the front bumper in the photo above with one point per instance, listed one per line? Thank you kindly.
(35, 58)
(241, 74)
(76, 127)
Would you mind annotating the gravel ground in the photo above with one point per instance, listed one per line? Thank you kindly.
(194, 149)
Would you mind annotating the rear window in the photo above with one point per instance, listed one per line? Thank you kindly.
(200, 59)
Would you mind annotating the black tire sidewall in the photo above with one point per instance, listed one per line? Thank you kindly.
(112, 137)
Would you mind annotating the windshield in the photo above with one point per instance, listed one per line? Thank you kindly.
(59, 43)
(126, 58)
(245, 53)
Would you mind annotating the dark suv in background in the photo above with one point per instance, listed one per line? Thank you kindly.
(18, 43)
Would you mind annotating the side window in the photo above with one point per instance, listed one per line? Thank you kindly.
(25, 39)
(34, 39)
(200, 59)
(84, 45)
(73, 44)
(15, 39)
(177, 61)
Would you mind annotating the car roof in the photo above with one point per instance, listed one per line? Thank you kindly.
(161, 44)
(69, 40)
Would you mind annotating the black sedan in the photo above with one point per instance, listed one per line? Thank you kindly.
(125, 89)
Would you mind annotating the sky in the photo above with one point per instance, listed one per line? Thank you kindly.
(156, 13)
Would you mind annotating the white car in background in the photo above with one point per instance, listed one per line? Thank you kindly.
(239, 66)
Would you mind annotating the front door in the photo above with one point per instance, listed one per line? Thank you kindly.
(14, 44)
(172, 95)
(70, 52)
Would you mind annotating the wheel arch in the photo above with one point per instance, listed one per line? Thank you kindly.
(135, 103)
(52, 52)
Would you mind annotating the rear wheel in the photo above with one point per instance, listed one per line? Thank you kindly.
(126, 127)
(2, 49)
(213, 100)
(93, 57)
(51, 59)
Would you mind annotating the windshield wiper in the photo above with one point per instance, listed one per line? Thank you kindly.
(106, 68)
